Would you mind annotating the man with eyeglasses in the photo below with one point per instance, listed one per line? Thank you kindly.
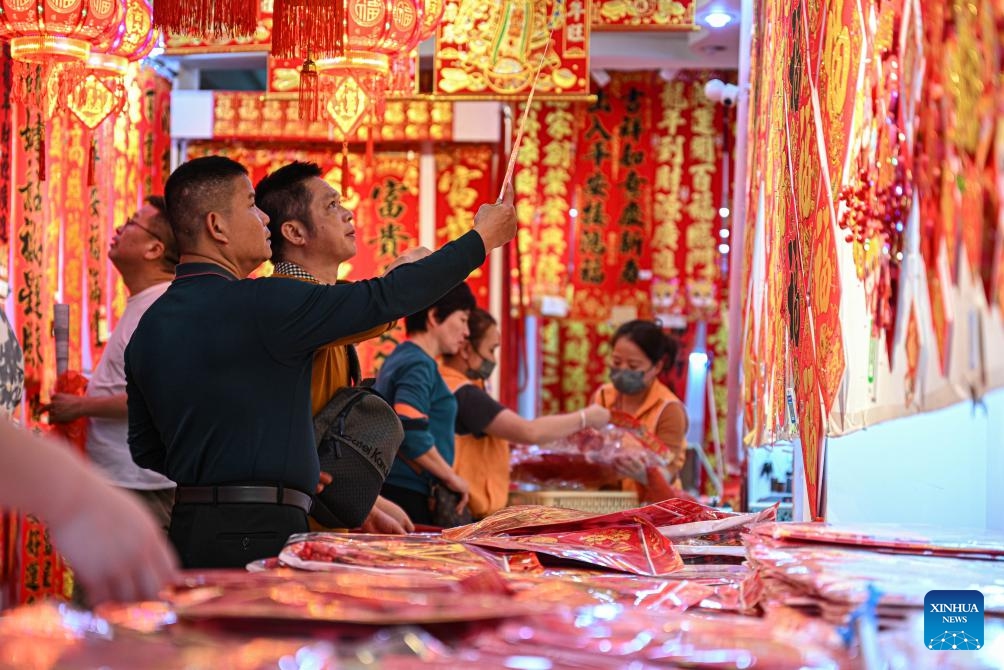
(145, 253)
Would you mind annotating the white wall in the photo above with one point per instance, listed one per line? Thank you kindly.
(943, 468)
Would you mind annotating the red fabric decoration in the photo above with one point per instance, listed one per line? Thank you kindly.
(75, 432)
(207, 18)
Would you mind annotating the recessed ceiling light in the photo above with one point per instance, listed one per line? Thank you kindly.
(717, 18)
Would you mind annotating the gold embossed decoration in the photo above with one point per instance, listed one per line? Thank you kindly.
(488, 49)
(643, 14)
(94, 100)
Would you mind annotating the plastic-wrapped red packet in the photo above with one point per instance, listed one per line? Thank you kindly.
(648, 593)
(841, 575)
(329, 551)
(657, 639)
(510, 561)
(636, 548)
(727, 531)
(532, 519)
(904, 538)
(349, 598)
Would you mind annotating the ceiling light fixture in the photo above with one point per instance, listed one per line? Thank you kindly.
(717, 18)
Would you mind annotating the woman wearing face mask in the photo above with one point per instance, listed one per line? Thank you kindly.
(484, 427)
(641, 351)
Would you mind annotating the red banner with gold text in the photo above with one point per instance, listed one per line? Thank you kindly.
(463, 181)
(495, 48)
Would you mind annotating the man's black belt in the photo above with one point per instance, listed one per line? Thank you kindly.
(275, 495)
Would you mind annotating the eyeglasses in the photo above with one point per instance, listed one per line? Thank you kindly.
(133, 222)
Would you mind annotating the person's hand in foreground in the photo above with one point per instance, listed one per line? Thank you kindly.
(116, 549)
(387, 518)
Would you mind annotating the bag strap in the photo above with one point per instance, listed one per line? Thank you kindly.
(355, 369)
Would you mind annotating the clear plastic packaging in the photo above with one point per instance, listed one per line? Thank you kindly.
(587, 459)
(241, 599)
(646, 639)
(423, 554)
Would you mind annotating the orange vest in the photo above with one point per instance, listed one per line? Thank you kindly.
(658, 398)
(331, 362)
(483, 462)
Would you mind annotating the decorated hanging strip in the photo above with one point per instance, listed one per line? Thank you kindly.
(526, 184)
(387, 225)
(6, 163)
(33, 301)
(664, 15)
(40, 569)
(493, 49)
(252, 116)
(574, 356)
(595, 160)
(463, 181)
(687, 279)
(813, 208)
(71, 205)
(543, 185)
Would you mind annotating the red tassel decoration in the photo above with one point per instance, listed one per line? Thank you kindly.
(370, 162)
(308, 27)
(310, 92)
(345, 168)
(41, 152)
(207, 18)
(92, 159)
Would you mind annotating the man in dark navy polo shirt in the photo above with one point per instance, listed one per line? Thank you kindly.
(218, 370)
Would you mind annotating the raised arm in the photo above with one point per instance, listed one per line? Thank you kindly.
(512, 427)
(297, 318)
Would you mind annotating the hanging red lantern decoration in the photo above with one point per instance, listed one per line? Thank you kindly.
(133, 40)
(102, 93)
(432, 16)
(403, 78)
(48, 38)
(349, 39)
(207, 18)
(57, 31)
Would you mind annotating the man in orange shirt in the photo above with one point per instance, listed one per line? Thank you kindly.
(312, 235)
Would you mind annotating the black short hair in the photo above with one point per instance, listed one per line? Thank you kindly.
(460, 298)
(651, 339)
(283, 196)
(162, 228)
(195, 189)
(478, 325)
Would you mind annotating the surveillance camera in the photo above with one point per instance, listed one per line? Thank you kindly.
(718, 91)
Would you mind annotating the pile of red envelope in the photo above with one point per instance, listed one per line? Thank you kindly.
(833, 571)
